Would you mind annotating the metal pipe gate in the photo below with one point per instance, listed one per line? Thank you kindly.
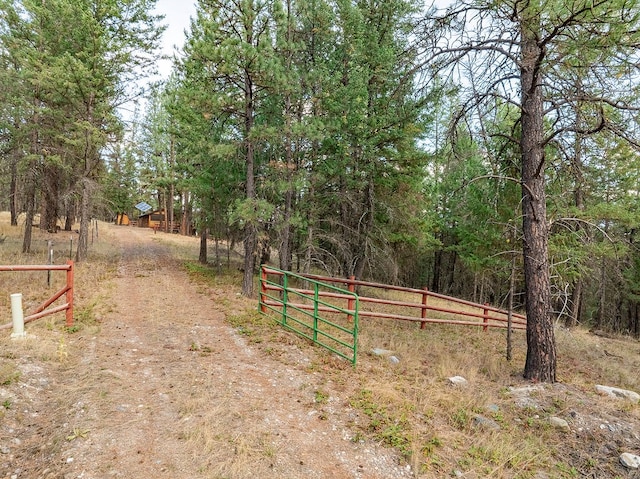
(320, 312)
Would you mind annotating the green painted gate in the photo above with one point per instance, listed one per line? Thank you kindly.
(318, 311)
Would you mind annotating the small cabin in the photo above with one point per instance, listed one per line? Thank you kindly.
(153, 219)
(122, 219)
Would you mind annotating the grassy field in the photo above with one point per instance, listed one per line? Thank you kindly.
(483, 429)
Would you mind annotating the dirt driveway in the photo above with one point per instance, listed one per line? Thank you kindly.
(164, 387)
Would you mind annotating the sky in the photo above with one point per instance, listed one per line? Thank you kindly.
(177, 16)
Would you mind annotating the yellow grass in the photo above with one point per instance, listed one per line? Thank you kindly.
(409, 406)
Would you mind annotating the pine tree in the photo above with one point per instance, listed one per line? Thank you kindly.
(527, 48)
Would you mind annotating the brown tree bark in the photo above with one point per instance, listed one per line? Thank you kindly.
(50, 199)
(13, 189)
(202, 258)
(575, 305)
(30, 193)
(83, 239)
(540, 363)
(250, 232)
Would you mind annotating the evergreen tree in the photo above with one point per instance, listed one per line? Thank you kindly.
(76, 59)
(527, 48)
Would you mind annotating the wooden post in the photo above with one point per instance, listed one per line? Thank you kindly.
(350, 302)
(69, 297)
(485, 319)
(50, 261)
(423, 313)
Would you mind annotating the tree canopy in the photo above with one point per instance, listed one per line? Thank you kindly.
(488, 150)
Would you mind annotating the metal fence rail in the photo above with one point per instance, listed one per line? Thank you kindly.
(415, 306)
(320, 312)
(67, 291)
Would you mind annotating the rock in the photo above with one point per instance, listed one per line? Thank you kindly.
(630, 461)
(618, 393)
(458, 381)
(559, 423)
(381, 352)
(492, 408)
(526, 390)
(522, 396)
(485, 423)
(393, 360)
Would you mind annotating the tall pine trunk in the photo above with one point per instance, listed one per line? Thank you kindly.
(50, 198)
(285, 231)
(90, 159)
(250, 232)
(575, 304)
(540, 364)
(30, 203)
(83, 238)
(13, 188)
(202, 257)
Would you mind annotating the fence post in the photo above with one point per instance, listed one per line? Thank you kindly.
(352, 289)
(285, 296)
(423, 313)
(50, 261)
(316, 310)
(17, 316)
(263, 289)
(69, 296)
(485, 318)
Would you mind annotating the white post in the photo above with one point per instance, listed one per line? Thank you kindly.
(17, 316)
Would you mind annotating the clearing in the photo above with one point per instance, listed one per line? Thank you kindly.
(170, 373)
(161, 386)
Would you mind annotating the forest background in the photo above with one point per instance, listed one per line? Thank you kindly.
(487, 151)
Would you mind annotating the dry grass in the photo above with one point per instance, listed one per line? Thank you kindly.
(412, 406)
(34, 285)
(409, 406)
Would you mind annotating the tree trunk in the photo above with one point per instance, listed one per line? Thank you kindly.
(602, 295)
(165, 214)
(185, 225)
(70, 214)
(367, 227)
(540, 363)
(13, 189)
(285, 231)
(91, 159)
(217, 252)
(172, 186)
(250, 233)
(202, 258)
(50, 199)
(83, 239)
(437, 269)
(575, 307)
(32, 178)
(512, 287)
(30, 199)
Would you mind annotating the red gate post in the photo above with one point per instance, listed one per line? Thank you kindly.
(423, 314)
(69, 296)
(350, 302)
(485, 318)
(263, 290)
